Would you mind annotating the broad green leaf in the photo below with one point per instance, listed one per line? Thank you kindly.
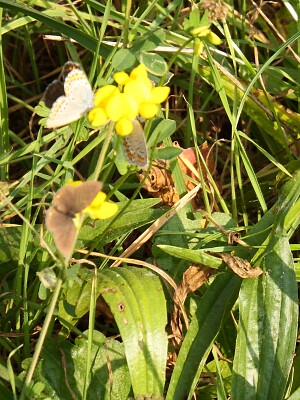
(207, 321)
(166, 153)
(269, 311)
(149, 41)
(139, 308)
(124, 59)
(178, 223)
(267, 327)
(138, 214)
(211, 240)
(196, 256)
(162, 129)
(62, 369)
(296, 372)
(136, 299)
(154, 63)
(295, 395)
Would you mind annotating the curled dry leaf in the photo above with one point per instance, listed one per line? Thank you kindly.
(192, 279)
(239, 266)
(159, 183)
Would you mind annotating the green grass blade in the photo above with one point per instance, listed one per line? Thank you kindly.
(4, 137)
(57, 25)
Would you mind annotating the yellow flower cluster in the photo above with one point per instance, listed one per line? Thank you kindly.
(134, 96)
(99, 208)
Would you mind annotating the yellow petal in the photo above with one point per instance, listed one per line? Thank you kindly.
(73, 183)
(107, 210)
(99, 208)
(139, 72)
(97, 116)
(138, 89)
(201, 31)
(98, 200)
(214, 39)
(103, 94)
(159, 94)
(198, 46)
(121, 106)
(124, 126)
(121, 77)
(148, 110)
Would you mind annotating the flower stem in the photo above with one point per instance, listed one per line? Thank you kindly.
(41, 339)
(106, 143)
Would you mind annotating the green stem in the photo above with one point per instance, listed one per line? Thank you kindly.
(105, 146)
(126, 24)
(42, 337)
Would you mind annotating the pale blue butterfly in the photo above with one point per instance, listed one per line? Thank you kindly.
(70, 100)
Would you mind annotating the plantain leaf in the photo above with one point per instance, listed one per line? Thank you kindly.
(62, 369)
(213, 308)
(267, 328)
(269, 311)
(136, 299)
(196, 256)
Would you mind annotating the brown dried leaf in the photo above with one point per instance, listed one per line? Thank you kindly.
(159, 183)
(192, 279)
(239, 266)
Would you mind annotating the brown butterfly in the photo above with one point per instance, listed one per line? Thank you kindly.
(135, 146)
(67, 202)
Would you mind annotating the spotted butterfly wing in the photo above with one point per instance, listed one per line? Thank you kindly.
(76, 99)
(135, 146)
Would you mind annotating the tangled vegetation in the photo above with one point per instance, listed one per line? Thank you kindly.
(150, 200)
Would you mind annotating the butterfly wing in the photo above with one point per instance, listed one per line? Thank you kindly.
(135, 146)
(68, 201)
(84, 194)
(78, 99)
(53, 92)
(68, 67)
(63, 230)
(78, 88)
(71, 199)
